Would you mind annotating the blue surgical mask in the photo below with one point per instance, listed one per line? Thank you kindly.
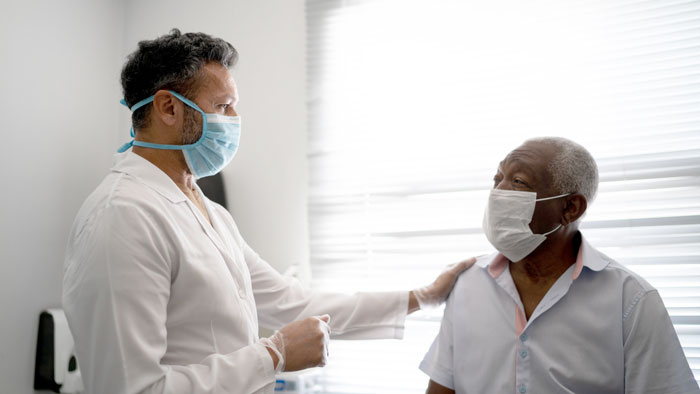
(212, 151)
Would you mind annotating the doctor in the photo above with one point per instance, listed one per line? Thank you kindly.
(161, 292)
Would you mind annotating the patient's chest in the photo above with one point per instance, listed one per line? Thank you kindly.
(575, 346)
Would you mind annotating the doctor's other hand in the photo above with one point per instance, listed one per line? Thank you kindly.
(301, 344)
(436, 293)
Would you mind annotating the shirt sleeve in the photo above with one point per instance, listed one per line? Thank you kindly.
(438, 362)
(281, 300)
(116, 289)
(654, 359)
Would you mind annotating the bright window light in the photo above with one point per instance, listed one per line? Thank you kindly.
(412, 104)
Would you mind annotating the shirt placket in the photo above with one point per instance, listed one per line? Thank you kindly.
(523, 365)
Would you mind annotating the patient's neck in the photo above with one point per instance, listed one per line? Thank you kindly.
(534, 275)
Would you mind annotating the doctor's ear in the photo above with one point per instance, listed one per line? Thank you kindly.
(166, 107)
(576, 205)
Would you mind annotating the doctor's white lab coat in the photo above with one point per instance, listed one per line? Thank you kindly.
(161, 301)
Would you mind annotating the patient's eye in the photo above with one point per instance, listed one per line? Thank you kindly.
(497, 179)
(518, 182)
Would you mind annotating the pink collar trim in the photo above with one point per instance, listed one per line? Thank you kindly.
(500, 262)
(578, 265)
(498, 265)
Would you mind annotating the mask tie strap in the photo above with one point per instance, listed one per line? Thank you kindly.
(125, 146)
(132, 109)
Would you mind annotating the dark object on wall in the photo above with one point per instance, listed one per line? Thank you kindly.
(44, 365)
(56, 367)
(213, 188)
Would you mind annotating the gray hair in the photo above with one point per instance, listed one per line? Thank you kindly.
(572, 168)
(170, 62)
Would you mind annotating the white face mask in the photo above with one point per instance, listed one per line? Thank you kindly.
(506, 222)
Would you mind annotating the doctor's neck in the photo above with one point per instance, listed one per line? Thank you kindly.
(172, 163)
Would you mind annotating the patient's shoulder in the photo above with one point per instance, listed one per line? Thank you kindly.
(475, 276)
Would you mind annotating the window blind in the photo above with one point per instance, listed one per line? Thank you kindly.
(412, 104)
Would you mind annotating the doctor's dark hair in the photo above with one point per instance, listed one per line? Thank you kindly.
(170, 62)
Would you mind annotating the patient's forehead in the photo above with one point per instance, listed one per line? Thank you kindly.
(531, 157)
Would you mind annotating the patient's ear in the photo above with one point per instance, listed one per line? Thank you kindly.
(576, 205)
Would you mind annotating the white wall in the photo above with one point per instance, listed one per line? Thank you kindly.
(58, 91)
(61, 123)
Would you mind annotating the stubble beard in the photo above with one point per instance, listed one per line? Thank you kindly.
(191, 127)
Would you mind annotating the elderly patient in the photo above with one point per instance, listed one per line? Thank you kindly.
(549, 313)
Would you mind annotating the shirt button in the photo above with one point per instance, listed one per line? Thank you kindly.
(523, 354)
(523, 337)
(522, 389)
(241, 292)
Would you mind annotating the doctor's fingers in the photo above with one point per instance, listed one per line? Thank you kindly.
(325, 322)
(457, 268)
(306, 343)
(325, 326)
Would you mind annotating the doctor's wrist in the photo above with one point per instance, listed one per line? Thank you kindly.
(276, 347)
(413, 304)
(273, 355)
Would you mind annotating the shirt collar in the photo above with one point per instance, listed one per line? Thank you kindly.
(147, 173)
(587, 257)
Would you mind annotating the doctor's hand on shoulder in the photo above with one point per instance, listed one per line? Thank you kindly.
(436, 293)
(304, 343)
(301, 344)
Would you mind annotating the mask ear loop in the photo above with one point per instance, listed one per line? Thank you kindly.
(552, 198)
(550, 232)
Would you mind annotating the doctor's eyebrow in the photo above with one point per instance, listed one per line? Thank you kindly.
(227, 98)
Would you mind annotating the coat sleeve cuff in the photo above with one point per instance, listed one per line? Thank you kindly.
(401, 316)
(266, 368)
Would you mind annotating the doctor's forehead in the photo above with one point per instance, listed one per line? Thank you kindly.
(218, 81)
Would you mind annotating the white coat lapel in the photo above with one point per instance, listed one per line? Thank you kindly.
(218, 241)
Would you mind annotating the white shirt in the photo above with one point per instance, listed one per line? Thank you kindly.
(599, 329)
(161, 301)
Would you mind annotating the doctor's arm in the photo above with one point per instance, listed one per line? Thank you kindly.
(116, 290)
(364, 315)
(436, 388)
